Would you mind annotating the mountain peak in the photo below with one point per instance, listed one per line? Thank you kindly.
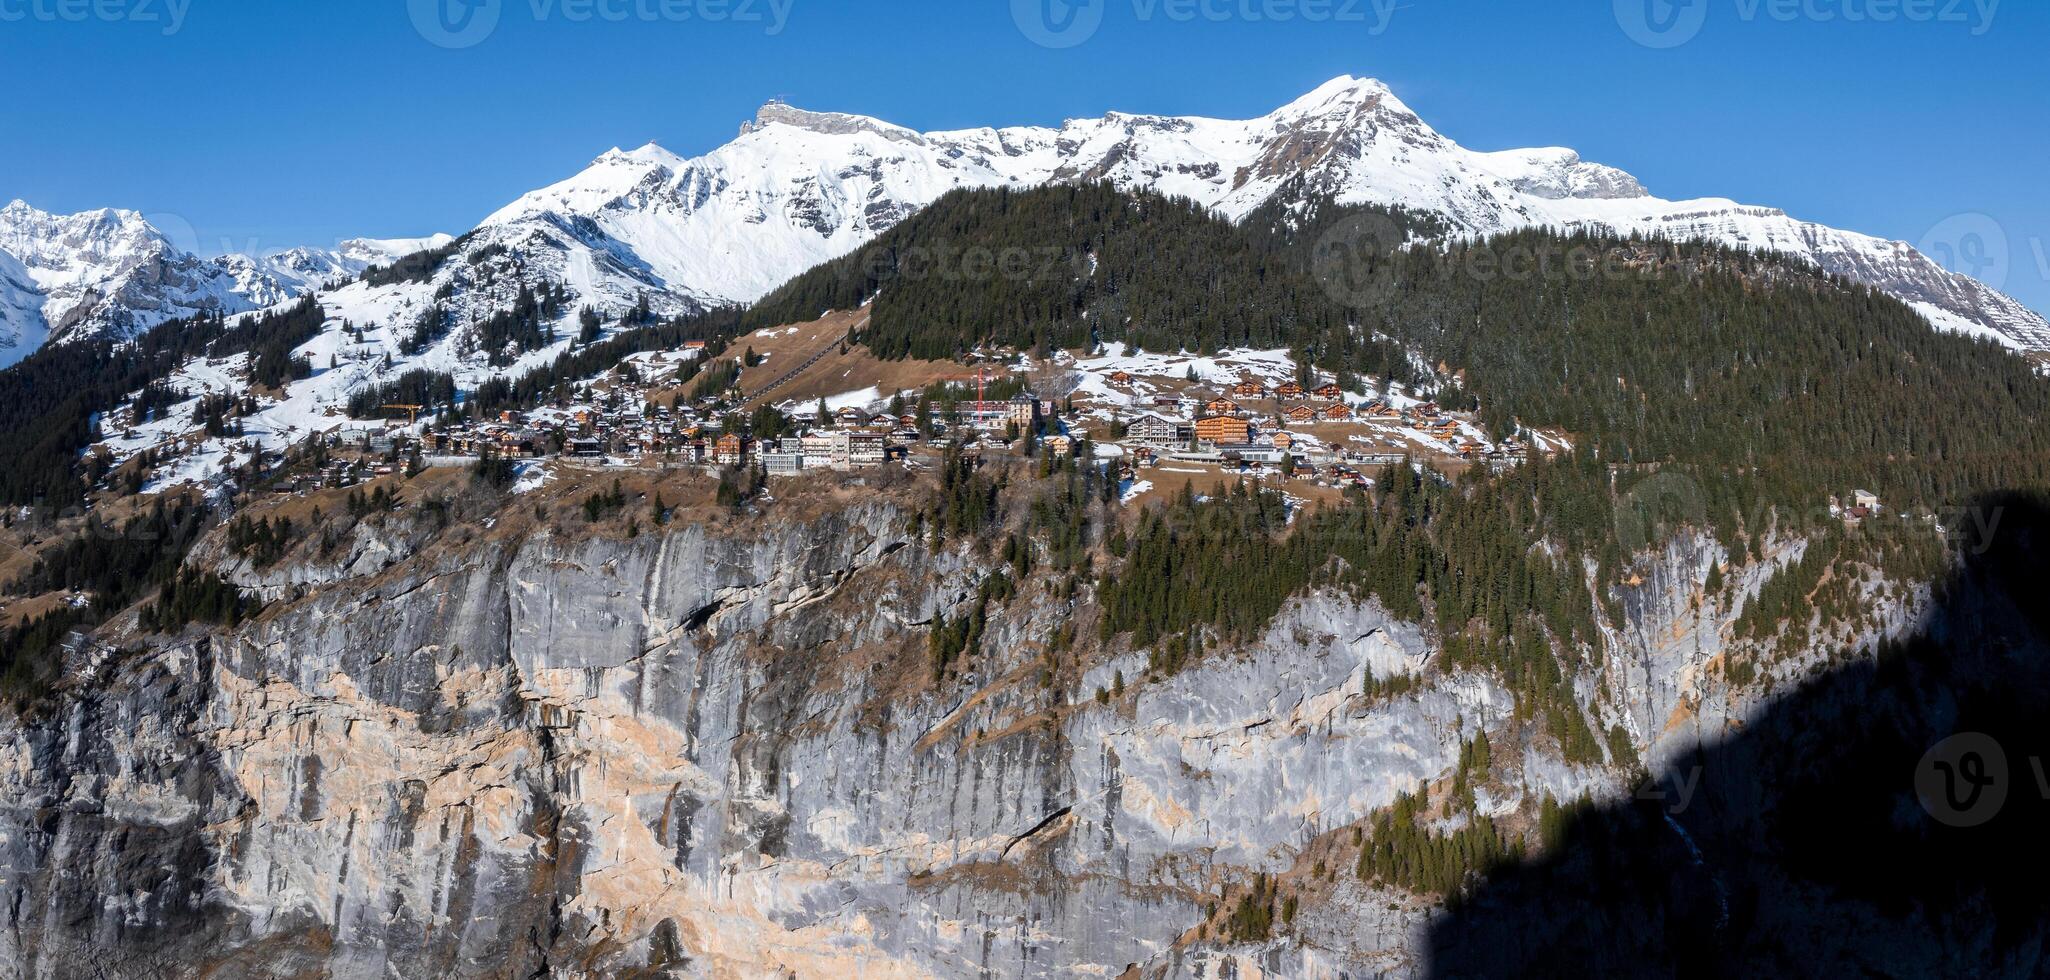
(781, 113)
(650, 153)
(1345, 89)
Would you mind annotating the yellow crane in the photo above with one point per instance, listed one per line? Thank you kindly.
(412, 411)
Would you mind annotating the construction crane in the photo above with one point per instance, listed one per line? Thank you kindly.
(412, 411)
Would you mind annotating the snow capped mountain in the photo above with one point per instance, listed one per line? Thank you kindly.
(280, 276)
(107, 272)
(797, 188)
(111, 273)
(21, 312)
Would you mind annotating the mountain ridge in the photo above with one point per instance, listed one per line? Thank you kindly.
(797, 188)
(111, 272)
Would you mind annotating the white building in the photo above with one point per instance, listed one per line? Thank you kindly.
(1154, 430)
(853, 447)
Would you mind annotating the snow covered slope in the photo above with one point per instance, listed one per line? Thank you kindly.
(111, 273)
(798, 187)
(279, 276)
(22, 329)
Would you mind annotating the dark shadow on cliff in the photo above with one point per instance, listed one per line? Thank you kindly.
(1825, 838)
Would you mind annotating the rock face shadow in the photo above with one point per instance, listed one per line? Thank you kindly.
(1887, 818)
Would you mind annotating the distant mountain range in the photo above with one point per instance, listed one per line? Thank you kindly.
(797, 188)
(112, 273)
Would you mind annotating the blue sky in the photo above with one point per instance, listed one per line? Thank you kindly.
(262, 125)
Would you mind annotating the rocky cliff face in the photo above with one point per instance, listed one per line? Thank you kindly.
(718, 752)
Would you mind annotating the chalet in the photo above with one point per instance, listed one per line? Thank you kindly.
(1283, 440)
(1223, 430)
(1289, 390)
(1249, 389)
(1121, 377)
(1058, 445)
(1383, 410)
(1330, 392)
(1221, 406)
(1302, 413)
(1865, 499)
(1338, 413)
(696, 345)
(518, 445)
(851, 416)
